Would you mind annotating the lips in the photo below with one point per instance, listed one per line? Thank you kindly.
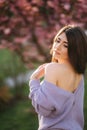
(56, 52)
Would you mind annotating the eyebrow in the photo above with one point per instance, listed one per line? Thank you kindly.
(60, 39)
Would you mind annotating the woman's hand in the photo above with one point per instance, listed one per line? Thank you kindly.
(39, 72)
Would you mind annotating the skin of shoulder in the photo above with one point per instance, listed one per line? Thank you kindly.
(53, 72)
(62, 76)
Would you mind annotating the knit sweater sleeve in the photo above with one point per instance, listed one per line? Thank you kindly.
(46, 97)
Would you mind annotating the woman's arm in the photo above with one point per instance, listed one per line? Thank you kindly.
(41, 99)
(44, 95)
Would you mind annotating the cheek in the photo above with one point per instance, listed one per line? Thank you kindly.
(65, 52)
(67, 55)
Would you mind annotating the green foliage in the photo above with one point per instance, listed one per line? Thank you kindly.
(85, 105)
(20, 117)
(10, 64)
(5, 97)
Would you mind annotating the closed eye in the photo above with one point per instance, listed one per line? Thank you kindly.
(65, 45)
(57, 40)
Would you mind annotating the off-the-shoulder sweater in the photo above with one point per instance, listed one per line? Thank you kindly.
(57, 108)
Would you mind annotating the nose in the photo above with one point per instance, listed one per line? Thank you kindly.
(57, 46)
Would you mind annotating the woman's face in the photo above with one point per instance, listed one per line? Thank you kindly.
(60, 48)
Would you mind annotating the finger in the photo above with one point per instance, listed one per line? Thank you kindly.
(43, 66)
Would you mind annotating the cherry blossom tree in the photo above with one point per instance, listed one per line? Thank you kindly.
(27, 27)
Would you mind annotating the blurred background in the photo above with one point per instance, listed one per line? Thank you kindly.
(27, 29)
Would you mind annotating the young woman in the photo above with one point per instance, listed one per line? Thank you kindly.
(59, 98)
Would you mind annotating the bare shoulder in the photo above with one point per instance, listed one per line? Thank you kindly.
(53, 71)
(55, 67)
(62, 76)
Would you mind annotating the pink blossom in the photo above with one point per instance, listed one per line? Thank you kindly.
(7, 31)
(67, 6)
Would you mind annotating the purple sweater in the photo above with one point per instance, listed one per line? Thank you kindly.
(57, 108)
